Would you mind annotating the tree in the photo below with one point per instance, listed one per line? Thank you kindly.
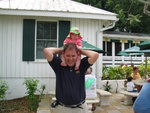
(130, 14)
(146, 5)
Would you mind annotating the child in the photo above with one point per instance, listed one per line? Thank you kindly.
(74, 36)
(130, 85)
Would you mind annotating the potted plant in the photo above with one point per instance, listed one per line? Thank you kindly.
(107, 86)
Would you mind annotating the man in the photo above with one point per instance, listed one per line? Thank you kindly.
(142, 102)
(70, 83)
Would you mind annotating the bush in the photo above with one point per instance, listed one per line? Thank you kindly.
(3, 88)
(107, 86)
(113, 73)
(143, 71)
(31, 87)
(118, 72)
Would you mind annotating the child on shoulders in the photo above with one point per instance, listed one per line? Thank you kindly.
(74, 37)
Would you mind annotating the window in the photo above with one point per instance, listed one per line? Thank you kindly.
(46, 36)
(107, 47)
(104, 48)
(117, 48)
(128, 45)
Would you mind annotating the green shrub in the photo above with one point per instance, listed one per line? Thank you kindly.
(143, 71)
(31, 87)
(3, 88)
(118, 72)
(107, 86)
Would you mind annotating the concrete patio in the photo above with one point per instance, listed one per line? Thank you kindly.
(116, 106)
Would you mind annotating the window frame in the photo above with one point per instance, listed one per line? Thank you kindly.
(43, 60)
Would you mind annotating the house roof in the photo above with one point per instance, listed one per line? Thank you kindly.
(125, 35)
(54, 8)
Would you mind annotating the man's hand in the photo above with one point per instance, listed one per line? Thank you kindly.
(49, 52)
(92, 55)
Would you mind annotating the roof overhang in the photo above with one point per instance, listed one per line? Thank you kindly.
(121, 36)
(57, 14)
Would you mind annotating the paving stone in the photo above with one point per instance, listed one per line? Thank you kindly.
(44, 111)
(120, 107)
(115, 106)
(126, 111)
(44, 105)
(99, 109)
(113, 111)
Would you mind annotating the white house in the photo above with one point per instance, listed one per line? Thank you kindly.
(27, 26)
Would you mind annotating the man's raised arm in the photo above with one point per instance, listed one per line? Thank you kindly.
(92, 55)
(49, 52)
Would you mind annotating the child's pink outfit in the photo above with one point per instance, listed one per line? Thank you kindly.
(78, 42)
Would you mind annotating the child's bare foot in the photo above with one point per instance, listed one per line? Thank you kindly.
(63, 64)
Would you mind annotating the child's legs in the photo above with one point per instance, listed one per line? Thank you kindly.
(62, 58)
(78, 62)
(63, 63)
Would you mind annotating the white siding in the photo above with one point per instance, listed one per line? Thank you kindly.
(11, 64)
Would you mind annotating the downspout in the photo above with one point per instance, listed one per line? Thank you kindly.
(99, 44)
(108, 27)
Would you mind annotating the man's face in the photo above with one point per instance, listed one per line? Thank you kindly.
(70, 57)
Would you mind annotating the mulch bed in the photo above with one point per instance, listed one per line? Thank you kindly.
(19, 105)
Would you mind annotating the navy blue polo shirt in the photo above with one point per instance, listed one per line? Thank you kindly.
(70, 84)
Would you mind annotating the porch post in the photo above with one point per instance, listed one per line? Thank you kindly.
(100, 59)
